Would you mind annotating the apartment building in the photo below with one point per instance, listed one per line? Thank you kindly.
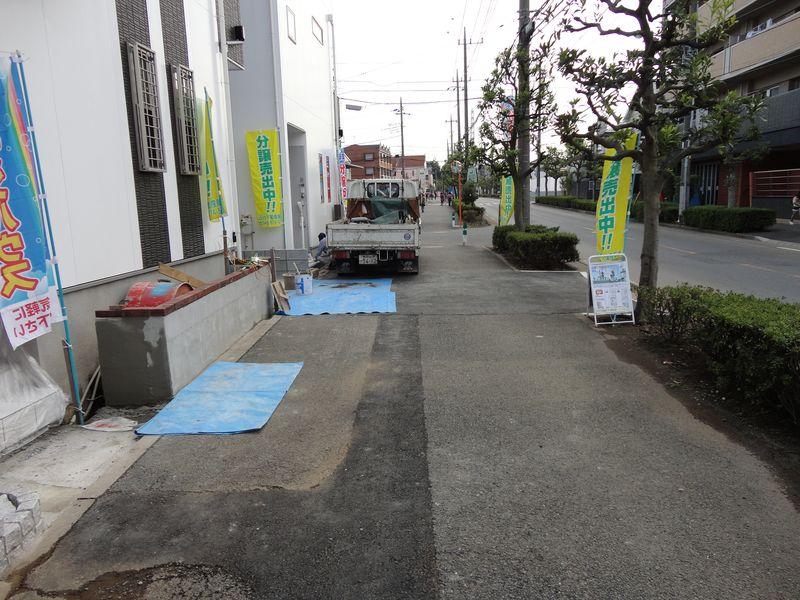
(761, 56)
(416, 169)
(372, 161)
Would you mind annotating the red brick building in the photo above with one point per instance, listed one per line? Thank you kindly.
(374, 161)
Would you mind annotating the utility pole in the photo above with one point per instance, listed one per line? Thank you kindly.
(466, 102)
(449, 148)
(524, 138)
(402, 144)
(458, 110)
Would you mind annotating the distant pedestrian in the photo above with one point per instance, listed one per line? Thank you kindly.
(795, 208)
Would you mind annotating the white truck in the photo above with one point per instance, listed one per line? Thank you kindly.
(381, 229)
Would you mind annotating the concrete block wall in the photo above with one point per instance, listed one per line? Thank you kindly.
(20, 521)
(147, 357)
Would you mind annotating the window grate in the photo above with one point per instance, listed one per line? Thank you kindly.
(186, 120)
(147, 110)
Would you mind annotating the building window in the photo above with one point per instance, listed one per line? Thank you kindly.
(794, 84)
(316, 29)
(291, 25)
(369, 156)
(186, 120)
(146, 108)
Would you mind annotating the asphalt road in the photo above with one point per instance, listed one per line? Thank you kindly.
(724, 262)
(483, 442)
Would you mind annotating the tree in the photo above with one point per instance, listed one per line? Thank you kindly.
(653, 89)
(435, 170)
(508, 110)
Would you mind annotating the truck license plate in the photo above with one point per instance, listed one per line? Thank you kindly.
(368, 259)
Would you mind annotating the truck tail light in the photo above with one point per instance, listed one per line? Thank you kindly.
(407, 255)
(340, 254)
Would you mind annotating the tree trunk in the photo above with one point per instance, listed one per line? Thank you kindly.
(519, 219)
(651, 183)
(546, 187)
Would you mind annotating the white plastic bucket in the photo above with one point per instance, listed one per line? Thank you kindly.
(303, 284)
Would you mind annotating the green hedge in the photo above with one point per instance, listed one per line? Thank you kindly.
(568, 202)
(752, 344)
(500, 234)
(668, 214)
(734, 220)
(549, 250)
(472, 214)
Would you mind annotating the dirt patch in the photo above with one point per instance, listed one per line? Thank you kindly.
(353, 284)
(770, 436)
(165, 582)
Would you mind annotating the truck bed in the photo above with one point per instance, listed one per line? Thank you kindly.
(355, 236)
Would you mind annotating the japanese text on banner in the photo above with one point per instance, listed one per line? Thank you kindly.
(24, 258)
(506, 200)
(265, 176)
(612, 205)
(215, 198)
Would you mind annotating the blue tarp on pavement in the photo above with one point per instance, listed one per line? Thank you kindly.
(225, 398)
(344, 296)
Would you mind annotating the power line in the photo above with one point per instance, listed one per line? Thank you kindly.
(404, 102)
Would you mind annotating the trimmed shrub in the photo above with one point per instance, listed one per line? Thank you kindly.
(733, 220)
(752, 344)
(668, 214)
(472, 213)
(550, 250)
(499, 236)
(568, 202)
(501, 232)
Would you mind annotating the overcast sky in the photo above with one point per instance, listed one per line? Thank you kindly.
(386, 50)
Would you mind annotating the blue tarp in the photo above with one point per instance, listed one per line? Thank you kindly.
(344, 296)
(225, 398)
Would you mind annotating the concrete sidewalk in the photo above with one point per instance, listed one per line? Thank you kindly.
(484, 442)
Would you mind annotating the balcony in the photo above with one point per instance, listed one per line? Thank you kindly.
(780, 112)
(758, 51)
(739, 7)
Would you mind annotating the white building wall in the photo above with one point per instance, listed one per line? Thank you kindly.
(207, 62)
(254, 106)
(306, 70)
(74, 73)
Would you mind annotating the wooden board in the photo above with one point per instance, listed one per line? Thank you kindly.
(177, 275)
(281, 297)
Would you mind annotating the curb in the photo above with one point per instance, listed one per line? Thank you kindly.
(744, 236)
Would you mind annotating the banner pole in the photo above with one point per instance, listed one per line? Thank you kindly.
(70, 355)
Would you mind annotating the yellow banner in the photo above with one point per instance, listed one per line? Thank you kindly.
(265, 176)
(215, 199)
(506, 200)
(612, 206)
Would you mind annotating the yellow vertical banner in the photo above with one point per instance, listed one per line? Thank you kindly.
(506, 200)
(215, 198)
(612, 206)
(265, 176)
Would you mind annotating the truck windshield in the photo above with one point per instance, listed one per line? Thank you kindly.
(383, 190)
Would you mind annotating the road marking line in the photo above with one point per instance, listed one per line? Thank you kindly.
(791, 249)
(678, 249)
(584, 274)
(768, 269)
